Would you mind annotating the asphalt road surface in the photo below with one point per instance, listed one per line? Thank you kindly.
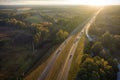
(57, 53)
(64, 72)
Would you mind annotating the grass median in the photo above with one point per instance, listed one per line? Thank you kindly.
(60, 60)
(77, 59)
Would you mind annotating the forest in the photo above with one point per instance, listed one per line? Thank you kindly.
(102, 54)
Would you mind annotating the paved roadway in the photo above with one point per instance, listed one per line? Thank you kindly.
(66, 67)
(53, 59)
(89, 24)
(58, 52)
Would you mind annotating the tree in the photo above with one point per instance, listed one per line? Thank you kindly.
(97, 48)
(16, 23)
(36, 40)
(20, 24)
(95, 68)
(38, 28)
(12, 22)
(84, 57)
(107, 39)
(2, 43)
(61, 35)
(37, 37)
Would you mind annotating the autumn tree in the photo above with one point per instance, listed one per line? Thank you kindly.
(95, 68)
(37, 37)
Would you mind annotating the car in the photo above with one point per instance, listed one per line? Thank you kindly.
(76, 39)
(70, 56)
(58, 51)
(65, 42)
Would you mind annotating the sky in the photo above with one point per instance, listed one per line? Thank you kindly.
(59, 2)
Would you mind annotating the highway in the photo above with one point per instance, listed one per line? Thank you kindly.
(64, 71)
(63, 74)
(58, 52)
(89, 24)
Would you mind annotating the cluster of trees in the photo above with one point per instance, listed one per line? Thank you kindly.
(95, 68)
(38, 30)
(61, 35)
(16, 23)
(71, 23)
(104, 49)
(2, 43)
(12, 23)
(105, 31)
(106, 46)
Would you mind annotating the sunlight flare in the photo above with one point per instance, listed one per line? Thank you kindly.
(89, 2)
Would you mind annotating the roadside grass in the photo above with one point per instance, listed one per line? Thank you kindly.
(77, 59)
(60, 61)
(56, 66)
(14, 60)
(37, 71)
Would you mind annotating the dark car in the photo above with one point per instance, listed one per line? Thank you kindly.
(58, 51)
(70, 56)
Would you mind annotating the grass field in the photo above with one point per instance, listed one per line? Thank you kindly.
(34, 19)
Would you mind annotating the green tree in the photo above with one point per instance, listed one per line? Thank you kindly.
(95, 68)
(2, 43)
(37, 37)
(97, 48)
(107, 39)
(61, 35)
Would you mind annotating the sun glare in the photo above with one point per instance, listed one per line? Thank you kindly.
(63, 2)
(97, 2)
(89, 2)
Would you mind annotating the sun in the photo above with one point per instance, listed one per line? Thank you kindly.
(97, 2)
(89, 2)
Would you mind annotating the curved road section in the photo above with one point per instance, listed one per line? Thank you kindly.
(66, 67)
(89, 24)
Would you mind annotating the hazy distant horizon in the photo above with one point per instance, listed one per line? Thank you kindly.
(60, 2)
